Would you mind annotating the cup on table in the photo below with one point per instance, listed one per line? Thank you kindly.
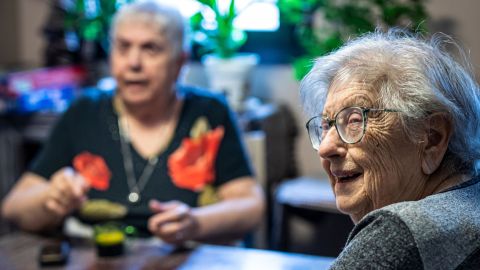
(109, 239)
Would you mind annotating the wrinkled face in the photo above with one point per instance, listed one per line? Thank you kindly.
(383, 168)
(143, 63)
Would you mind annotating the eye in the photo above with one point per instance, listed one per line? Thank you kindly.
(354, 118)
(122, 46)
(153, 49)
(325, 124)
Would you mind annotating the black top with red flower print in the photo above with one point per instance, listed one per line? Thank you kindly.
(90, 124)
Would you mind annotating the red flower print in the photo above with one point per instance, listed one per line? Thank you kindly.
(192, 165)
(94, 169)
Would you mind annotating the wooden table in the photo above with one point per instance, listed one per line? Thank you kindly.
(20, 251)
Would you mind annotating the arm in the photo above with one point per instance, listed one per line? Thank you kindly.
(239, 211)
(36, 204)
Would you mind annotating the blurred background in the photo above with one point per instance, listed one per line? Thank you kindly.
(52, 51)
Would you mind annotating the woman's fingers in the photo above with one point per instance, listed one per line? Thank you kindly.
(175, 232)
(172, 224)
(173, 214)
(66, 192)
(55, 207)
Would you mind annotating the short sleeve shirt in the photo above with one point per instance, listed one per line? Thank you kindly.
(91, 124)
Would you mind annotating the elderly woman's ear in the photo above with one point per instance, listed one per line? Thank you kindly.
(438, 129)
(180, 60)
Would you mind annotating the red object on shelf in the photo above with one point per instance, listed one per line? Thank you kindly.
(46, 78)
(46, 89)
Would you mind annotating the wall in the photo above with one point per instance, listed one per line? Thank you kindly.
(459, 19)
(32, 16)
(9, 33)
(21, 22)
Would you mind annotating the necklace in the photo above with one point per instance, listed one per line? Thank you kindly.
(135, 187)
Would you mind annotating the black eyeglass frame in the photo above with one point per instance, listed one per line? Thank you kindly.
(333, 122)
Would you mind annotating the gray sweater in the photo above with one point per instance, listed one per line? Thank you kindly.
(441, 231)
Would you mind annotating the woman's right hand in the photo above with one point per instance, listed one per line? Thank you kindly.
(66, 192)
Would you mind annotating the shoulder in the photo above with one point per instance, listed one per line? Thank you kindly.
(440, 212)
(203, 98)
(445, 226)
(90, 104)
(381, 240)
(379, 224)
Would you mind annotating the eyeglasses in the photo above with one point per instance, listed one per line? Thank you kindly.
(350, 123)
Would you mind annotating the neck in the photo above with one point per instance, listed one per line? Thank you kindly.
(443, 179)
(157, 111)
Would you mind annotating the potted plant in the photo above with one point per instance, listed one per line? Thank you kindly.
(226, 69)
(87, 22)
(323, 25)
(90, 20)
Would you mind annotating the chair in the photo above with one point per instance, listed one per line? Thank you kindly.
(277, 125)
(10, 160)
(313, 201)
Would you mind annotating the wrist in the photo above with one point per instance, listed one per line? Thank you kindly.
(195, 226)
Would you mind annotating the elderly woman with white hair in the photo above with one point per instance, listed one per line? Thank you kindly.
(396, 123)
(174, 153)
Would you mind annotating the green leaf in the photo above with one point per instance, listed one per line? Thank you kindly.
(209, 3)
(231, 12)
(224, 40)
(345, 19)
(80, 7)
(92, 30)
(239, 37)
(301, 67)
(196, 21)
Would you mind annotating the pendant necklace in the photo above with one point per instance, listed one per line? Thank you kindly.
(135, 187)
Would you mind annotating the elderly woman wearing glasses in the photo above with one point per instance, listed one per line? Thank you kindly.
(396, 123)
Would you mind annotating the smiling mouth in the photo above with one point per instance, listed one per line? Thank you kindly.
(348, 178)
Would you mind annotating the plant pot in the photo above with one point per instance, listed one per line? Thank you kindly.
(229, 76)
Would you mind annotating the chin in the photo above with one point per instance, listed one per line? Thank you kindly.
(343, 206)
(355, 209)
(135, 99)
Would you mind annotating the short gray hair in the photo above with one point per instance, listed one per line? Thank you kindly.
(412, 74)
(168, 20)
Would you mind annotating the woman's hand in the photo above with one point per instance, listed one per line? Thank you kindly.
(173, 221)
(66, 192)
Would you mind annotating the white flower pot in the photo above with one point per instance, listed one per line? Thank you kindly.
(229, 76)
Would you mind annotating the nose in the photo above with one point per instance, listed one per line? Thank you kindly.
(135, 59)
(332, 145)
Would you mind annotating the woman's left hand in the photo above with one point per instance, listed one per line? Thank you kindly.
(172, 221)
